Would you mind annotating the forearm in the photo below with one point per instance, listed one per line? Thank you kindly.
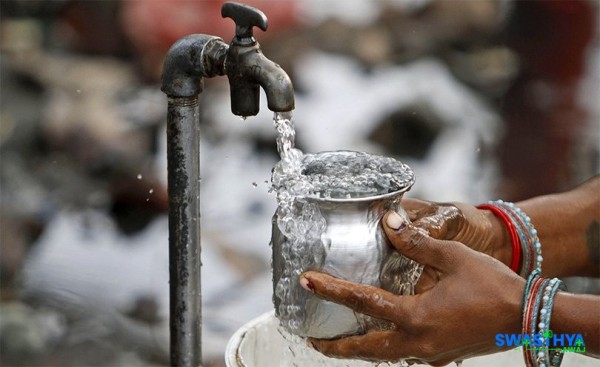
(568, 228)
(578, 314)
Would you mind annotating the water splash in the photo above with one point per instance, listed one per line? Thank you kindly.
(301, 224)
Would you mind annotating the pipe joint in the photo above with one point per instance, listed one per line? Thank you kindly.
(189, 60)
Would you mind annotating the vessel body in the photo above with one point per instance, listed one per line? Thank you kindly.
(353, 247)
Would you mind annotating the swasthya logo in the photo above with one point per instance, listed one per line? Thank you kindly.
(547, 341)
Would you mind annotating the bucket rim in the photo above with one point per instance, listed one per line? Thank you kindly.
(233, 345)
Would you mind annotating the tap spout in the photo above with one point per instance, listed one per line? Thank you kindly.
(276, 84)
(248, 69)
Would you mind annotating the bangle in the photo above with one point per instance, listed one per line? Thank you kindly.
(535, 274)
(538, 299)
(529, 318)
(516, 253)
(532, 244)
(526, 236)
(514, 239)
(552, 357)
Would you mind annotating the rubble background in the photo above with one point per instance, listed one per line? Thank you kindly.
(483, 99)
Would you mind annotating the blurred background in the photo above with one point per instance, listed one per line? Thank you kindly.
(483, 99)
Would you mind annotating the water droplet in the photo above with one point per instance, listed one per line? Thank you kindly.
(150, 191)
(139, 176)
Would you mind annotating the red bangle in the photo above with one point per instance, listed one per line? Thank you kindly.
(514, 236)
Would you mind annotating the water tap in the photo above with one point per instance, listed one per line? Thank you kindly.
(247, 68)
(197, 56)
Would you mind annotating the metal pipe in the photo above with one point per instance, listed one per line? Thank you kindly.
(186, 64)
(183, 159)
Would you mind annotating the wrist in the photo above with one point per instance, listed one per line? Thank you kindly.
(500, 242)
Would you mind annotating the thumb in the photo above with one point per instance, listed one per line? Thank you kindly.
(414, 243)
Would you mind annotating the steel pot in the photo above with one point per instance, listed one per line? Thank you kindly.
(352, 246)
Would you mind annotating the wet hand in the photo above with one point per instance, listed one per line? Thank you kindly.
(478, 229)
(474, 298)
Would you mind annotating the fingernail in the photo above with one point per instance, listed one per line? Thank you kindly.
(306, 284)
(395, 221)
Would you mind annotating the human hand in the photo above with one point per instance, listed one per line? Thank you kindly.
(474, 298)
(479, 229)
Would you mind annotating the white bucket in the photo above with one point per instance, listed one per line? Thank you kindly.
(259, 344)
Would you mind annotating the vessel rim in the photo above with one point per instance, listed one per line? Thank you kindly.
(401, 190)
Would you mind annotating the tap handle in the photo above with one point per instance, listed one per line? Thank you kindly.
(245, 17)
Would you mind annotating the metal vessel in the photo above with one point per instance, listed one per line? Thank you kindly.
(354, 247)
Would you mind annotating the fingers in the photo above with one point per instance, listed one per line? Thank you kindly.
(373, 346)
(415, 244)
(416, 208)
(439, 220)
(361, 298)
(383, 346)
